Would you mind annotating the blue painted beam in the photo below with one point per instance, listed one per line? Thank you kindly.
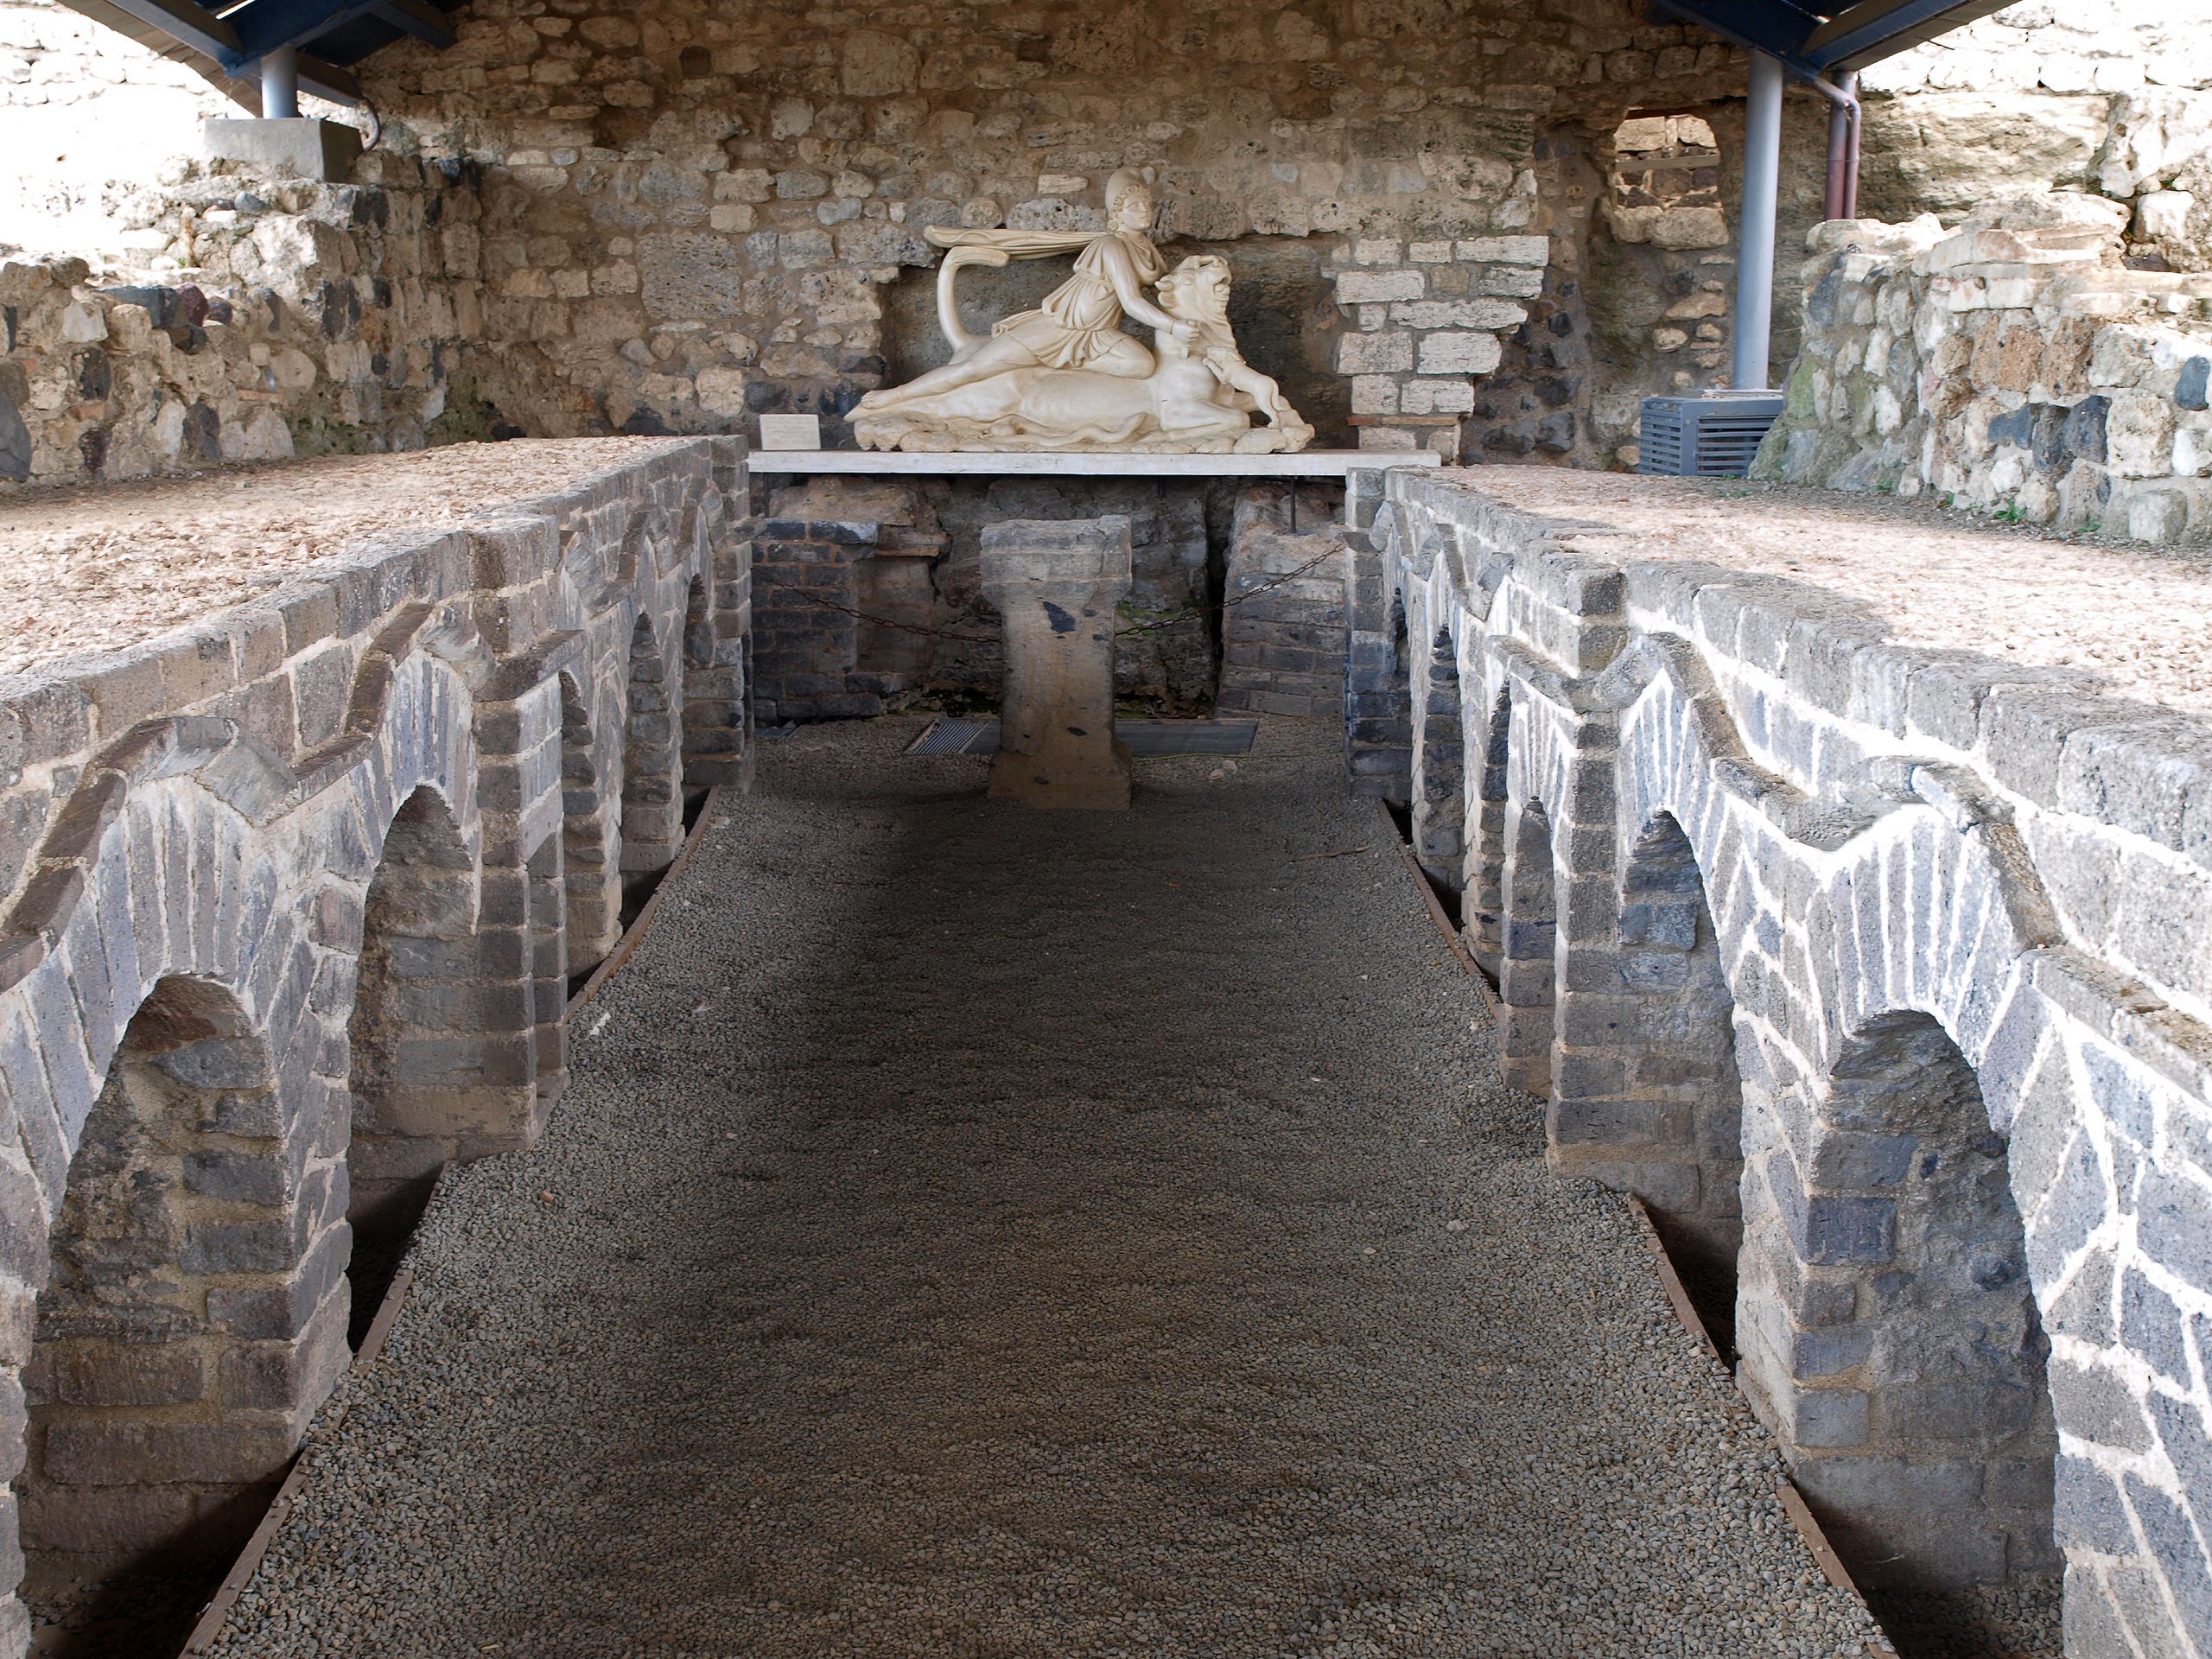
(1774, 26)
(183, 22)
(422, 20)
(264, 25)
(1874, 30)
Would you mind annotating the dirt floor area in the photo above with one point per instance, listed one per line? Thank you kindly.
(95, 567)
(2135, 616)
(978, 1232)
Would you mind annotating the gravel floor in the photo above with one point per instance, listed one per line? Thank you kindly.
(977, 1232)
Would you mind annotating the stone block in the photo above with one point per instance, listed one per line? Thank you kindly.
(296, 149)
(1056, 582)
(1377, 353)
(1459, 353)
(1371, 287)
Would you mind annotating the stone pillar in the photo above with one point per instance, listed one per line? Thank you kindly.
(1055, 582)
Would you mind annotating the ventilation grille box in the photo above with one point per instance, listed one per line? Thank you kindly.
(1710, 435)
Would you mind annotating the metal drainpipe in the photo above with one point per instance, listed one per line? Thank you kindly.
(1841, 200)
(1850, 85)
(1755, 243)
(280, 84)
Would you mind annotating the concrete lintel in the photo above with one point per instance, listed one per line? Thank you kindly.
(1310, 463)
(302, 148)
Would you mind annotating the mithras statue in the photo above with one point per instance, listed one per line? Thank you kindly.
(1066, 377)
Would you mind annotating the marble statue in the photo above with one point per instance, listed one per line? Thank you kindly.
(1064, 376)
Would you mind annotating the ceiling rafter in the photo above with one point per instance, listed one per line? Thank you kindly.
(1813, 44)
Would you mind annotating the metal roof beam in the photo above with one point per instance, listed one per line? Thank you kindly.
(1774, 27)
(424, 22)
(1874, 30)
(329, 82)
(264, 26)
(182, 21)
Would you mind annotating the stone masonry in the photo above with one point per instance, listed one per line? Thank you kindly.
(294, 895)
(1879, 973)
(2013, 366)
(1283, 617)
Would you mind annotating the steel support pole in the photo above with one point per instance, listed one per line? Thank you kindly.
(1755, 243)
(280, 84)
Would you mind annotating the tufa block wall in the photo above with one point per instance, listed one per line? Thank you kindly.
(285, 319)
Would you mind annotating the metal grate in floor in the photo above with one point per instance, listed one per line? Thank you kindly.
(950, 735)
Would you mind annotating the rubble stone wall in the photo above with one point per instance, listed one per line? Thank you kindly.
(2015, 366)
(278, 319)
(294, 898)
(1933, 928)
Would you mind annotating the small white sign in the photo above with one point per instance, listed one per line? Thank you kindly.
(790, 431)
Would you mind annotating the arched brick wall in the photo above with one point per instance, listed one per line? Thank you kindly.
(1898, 882)
(343, 943)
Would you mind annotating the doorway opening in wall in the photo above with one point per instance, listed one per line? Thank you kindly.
(1661, 272)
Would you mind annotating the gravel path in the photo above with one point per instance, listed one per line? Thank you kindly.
(982, 1233)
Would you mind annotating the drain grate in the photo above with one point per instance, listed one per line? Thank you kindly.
(948, 735)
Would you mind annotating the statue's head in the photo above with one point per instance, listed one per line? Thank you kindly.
(1196, 290)
(1129, 199)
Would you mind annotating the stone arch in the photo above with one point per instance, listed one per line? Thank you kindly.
(1483, 903)
(425, 1070)
(1527, 970)
(1887, 1323)
(1649, 1100)
(193, 1315)
(593, 884)
(714, 712)
(1439, 790)
(653, 761)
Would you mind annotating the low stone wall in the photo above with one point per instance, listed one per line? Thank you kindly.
(279, 320)
(2015, 366)
(870, 589)
(295, 898)
(1282, 619)
(1879, 972)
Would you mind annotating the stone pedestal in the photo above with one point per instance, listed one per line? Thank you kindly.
(1055, 582)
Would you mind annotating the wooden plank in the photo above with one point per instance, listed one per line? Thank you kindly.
(1808, 1528)
(1685, 1309)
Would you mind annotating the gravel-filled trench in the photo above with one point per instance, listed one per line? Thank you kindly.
(974, 1231)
